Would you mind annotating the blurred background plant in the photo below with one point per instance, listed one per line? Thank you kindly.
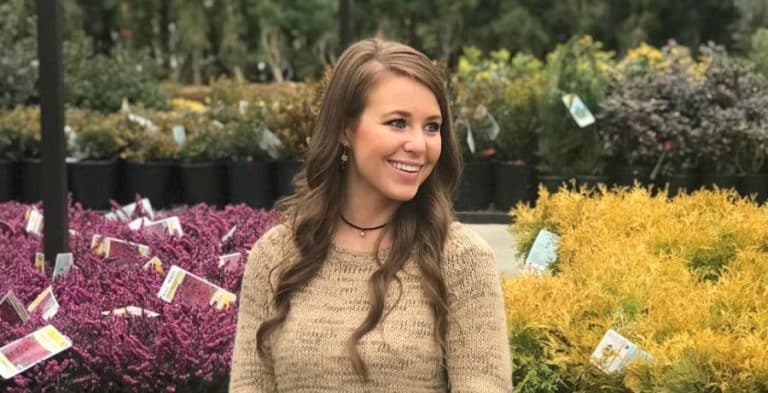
(579, 67)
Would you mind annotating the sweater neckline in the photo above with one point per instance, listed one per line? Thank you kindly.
(357, 254)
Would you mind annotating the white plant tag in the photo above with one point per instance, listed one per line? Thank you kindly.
(179, 135)
(578, 110)
(543, 252)
(64, 262)
(18, 356)
(614, 352)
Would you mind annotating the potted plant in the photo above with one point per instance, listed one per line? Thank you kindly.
(289, 114)
(27, 119)
(567, 151)
(517, 115)
(10, 136)
(250, 170)
(245, 142)
(93, 152)
(200, 170)
(476, 89)
(149, 156)
(732, 119)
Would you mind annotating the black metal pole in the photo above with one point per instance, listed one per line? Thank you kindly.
(53, 142)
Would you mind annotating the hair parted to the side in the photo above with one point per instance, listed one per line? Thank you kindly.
(419, 227)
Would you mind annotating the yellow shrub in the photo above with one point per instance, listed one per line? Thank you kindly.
(686, 280)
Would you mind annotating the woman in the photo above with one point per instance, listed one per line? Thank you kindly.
(366, 284)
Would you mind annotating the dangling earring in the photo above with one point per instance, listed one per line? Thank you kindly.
(344, 157)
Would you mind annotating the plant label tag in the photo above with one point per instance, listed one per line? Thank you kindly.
(179, 135)
(109, 247)
(12, 310)
(186, 288)
(131, 311)
(227, 236)
(543, 252)
(270, 143)
(614, 352)
(34, 221)
(31, 349)
(40, 262)
(578, 110)
(156, 264)
(64, 262)
(124, 213)
(46, 302)
(170, 225)
(229, 259)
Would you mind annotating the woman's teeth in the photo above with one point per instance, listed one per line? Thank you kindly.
(405, 167)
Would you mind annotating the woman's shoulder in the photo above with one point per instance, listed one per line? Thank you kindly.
(276, 242)
(462, 241)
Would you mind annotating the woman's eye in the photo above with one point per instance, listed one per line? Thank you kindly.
(397, 123)
(432, 127)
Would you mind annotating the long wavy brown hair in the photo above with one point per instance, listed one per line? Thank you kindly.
(419, 227)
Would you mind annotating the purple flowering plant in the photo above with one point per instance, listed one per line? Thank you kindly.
(185, 348)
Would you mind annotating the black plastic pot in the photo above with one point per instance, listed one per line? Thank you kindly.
(94, 183)
(627, 175)
(475, 187)
(251, 183)
(755, 184)
(553, 182)
(712, 180)
(31, 180)
(202, 182)
(512, 183)
(8, 179)
(153, 180)
(285, 170)
(681, 183)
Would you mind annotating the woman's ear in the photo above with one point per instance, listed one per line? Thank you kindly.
(346, 137)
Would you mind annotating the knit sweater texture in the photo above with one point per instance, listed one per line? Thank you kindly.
(308, 351)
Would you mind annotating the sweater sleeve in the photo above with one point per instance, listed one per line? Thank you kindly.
(249, 373)
(477, 349)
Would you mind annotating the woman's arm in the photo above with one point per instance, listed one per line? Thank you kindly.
(477, 348)
(249, 373)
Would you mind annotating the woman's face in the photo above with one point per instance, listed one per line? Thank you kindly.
(396, 142)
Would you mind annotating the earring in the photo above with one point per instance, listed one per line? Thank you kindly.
(344, 157)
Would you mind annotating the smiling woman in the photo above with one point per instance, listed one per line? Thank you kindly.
(416, 306)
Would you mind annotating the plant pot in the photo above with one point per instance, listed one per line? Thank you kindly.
(475, 187)
(681, 184)
(8, 179)
(755, 184)
(626, 175)
(553, 182)
(512, 183)
(94, 183)
(285, 170)
(712, 180)
(591, 181)
(201, 182)
(31, 180)
(153, 180)
(251, 183)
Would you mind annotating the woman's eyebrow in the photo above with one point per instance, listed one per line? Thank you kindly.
(403, 113)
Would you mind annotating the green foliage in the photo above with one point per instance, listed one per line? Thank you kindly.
(496, 98)
(102, 82)
(580, 67)
(149, 142)
(18, 63)
(96, 136)
(759, 50)
(20, 133)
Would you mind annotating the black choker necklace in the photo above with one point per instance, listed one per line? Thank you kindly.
(362, 230)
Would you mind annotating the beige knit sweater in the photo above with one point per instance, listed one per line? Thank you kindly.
(308, 351)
